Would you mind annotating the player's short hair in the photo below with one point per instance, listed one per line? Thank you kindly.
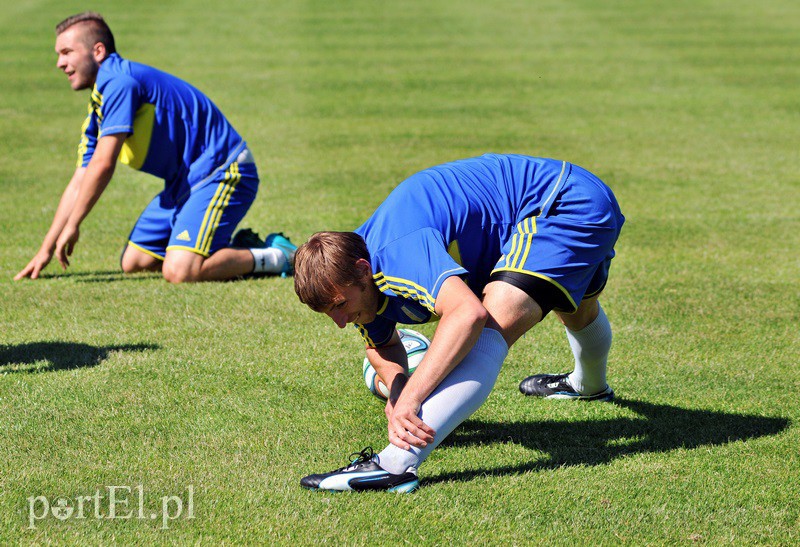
(326, 262)
(97, 29)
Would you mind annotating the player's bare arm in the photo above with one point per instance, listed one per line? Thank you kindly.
(45, 253)
(95, 179)
(390, 362)
(462, 320)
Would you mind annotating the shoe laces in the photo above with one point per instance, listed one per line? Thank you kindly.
(365, 456)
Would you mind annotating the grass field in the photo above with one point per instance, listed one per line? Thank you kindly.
(688, 109)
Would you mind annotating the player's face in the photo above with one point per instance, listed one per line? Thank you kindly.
(76, 59)
(354, 305)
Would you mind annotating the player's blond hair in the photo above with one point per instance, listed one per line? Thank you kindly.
(326, 262)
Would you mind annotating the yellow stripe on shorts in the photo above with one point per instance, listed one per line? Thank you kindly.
(521, 243)
(214, 212)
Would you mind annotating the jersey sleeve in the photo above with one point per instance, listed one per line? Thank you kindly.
(415, 266)
(121, 98)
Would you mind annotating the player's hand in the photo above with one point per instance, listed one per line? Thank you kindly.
(406, 429)
(66, 244)
(36, 265)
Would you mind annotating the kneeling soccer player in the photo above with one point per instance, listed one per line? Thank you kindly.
(161, 125)
(489, 246)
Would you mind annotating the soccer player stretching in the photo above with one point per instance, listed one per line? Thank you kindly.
(489, 246)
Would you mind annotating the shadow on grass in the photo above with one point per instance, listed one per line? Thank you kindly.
(658, 428)
(108, 276)
(48, 356)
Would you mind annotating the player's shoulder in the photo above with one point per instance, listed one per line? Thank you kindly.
(115, 73)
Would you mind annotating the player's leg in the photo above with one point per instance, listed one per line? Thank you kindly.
(580, 234)
(182, 266)
(134, 260)
(459, 395)
(512, 313)
(589, 335)
(200, 248)
(148, 238)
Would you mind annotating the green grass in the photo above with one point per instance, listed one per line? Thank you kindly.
(687, 109)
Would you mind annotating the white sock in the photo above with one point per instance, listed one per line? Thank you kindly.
(460, 394)
(590, 346)
(270, 260)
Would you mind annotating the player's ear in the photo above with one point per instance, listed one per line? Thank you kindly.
(99, 52)
(364, 269)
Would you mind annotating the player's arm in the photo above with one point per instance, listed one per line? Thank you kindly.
(95, 178)
(390, 363)
(462, 318)
(45, 253)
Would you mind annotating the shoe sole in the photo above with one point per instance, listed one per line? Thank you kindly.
(604, 396)
(405, 488)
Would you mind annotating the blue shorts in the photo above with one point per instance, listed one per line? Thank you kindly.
(569, 247)
(204, 221)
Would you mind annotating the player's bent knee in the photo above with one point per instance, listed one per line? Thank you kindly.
(182, 267)
(176, 274)
(134, 260)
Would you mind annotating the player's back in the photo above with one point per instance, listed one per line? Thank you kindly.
(179, 133)
(465, 197)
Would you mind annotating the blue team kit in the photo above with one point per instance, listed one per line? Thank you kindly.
(177, 134)
(496, 213)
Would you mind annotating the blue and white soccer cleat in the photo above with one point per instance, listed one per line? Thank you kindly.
(282, 243)
(363, 473)
(557, 386)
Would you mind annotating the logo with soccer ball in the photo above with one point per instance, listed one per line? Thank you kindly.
(415, 343)
(61, 509)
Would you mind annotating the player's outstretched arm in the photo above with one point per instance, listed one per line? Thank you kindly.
(97, 176)
(462, 320)
(45, 253)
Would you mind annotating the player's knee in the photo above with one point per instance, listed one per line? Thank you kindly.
(177, 275)
(177, 272)
(133, 261)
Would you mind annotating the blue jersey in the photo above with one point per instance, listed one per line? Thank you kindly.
(468, 218)
(175, 132)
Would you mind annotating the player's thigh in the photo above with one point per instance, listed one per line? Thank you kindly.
(206, 220)
(148, 239)
(512, 311)
(561, 258)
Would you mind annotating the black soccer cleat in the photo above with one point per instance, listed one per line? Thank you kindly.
(557, 386)
(363, 473)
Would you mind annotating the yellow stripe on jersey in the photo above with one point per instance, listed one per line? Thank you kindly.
(83, 146)
(406, 288)
(455, 252)
(365, 335)
(134, 149)
(214, 212)
(96, 102)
